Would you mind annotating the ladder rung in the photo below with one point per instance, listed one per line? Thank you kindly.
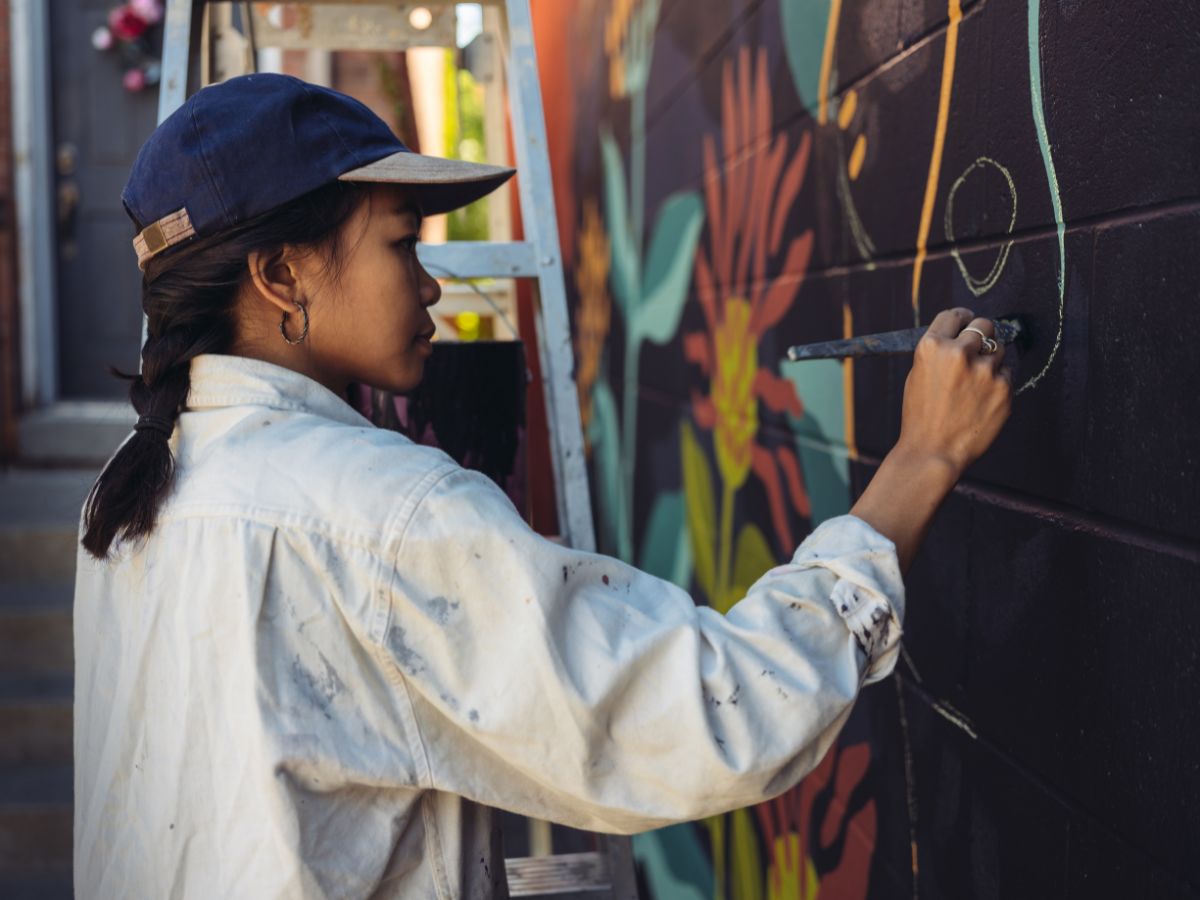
(481, 259)
(529, 876)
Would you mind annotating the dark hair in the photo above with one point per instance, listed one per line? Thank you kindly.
(188, 295)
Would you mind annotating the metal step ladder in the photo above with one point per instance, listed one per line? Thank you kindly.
(191, 59)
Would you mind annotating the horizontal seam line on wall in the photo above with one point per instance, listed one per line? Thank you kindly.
(805, 110)
(900, 259)
(1074, 519)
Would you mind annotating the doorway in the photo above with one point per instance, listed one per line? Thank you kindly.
(98, 126)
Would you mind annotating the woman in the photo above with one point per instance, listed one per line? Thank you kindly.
(311, 654)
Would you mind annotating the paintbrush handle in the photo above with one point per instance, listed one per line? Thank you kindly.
(887, 342)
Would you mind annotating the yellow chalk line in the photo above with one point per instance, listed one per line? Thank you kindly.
(935, 162)
(835, 10)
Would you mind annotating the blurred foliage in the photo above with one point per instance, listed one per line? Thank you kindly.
(464, 140)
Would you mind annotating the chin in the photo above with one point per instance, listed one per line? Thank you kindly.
(403, 382)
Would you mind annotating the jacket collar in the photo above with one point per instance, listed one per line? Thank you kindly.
(223, 380)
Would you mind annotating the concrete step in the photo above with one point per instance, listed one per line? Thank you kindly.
(80, 433)
(36, 821)
(39, 522)
(43, 553)
(35, 838)
(37, 730)
(23, 786)
(36, 640)
(47, 884)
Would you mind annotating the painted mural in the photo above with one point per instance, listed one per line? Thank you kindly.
(737, 176)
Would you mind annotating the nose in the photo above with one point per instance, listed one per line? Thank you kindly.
(430, 290)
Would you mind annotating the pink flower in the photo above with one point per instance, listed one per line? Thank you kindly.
(151, 11)
(134, 80)
(102, 38)
(126, 24)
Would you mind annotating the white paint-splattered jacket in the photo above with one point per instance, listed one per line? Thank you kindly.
(338, 647)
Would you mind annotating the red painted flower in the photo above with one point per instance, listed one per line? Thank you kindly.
(748, 201)
(126, 24)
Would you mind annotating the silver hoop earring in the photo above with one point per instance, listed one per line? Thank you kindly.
(303, 334)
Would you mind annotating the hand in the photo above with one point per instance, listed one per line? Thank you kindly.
(956, 397)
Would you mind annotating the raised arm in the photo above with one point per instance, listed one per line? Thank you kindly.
(955, 401)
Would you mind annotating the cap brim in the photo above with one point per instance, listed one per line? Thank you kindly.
(442, 184)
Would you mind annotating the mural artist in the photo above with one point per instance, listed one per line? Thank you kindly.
(311, 654)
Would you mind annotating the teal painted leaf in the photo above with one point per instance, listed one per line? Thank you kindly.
(676, 866)
(682, 575)
(804, 25)
(701, 511)
(660, 544)
(820, 436)
(625, 264)
(669, 267)
(606, 453)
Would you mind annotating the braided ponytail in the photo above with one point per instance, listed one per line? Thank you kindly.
(189, 295)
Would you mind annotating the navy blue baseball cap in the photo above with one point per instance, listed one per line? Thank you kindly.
(252, 143)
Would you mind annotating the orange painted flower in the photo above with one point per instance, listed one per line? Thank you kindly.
(595, 308)
(628, 41)
(748, 198)
(821, 834)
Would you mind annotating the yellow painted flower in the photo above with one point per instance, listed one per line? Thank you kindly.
(732, 391)
(594, 315)
(628, 41)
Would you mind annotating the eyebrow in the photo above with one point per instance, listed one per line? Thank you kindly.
(409, 209)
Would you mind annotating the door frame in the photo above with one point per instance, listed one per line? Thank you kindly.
(34, 193)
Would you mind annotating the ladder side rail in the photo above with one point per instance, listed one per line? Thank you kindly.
(554, 343)
(182, 28)
(181, 38)
(541, 228)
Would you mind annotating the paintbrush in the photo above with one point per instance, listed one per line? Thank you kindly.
(1008, 331)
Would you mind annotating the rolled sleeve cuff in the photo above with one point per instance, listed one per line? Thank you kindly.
(869, 593)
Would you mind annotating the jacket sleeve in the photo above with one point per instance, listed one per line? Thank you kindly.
(571, 687)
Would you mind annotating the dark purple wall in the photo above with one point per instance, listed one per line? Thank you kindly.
(1032, 156)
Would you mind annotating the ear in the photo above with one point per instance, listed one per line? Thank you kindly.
(275, 277)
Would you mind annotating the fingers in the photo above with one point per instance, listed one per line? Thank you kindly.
(971, 340)
(974, 344)
(949, 323)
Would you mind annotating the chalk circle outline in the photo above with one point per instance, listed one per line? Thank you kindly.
(980, 286)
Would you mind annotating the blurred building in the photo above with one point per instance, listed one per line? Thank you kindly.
(79, 101)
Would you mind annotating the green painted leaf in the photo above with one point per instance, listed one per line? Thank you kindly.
(746, 881)
(625, 269)
(606, 453)
(752, 558)
(660, 544)
(669, 267)
(701, 511)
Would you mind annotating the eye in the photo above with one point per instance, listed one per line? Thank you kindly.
(409, 243)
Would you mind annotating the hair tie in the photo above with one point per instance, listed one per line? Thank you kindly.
(161, 424)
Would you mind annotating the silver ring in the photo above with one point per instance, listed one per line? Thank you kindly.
(987, 345)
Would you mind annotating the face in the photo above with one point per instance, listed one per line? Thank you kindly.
(371, 323)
